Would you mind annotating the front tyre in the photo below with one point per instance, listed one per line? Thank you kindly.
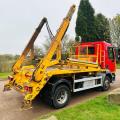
(61, 96)
(106, 84)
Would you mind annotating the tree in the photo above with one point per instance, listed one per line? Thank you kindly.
(85, 23)
(66, 44)
(102, 28)
(46, 45)
(115, 30)
(38, 51)
(6, 62)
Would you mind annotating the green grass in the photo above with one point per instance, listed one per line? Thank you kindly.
(118, 66)
(96, 109)
(4, 75)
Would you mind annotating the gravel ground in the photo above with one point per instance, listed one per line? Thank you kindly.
(10, 102)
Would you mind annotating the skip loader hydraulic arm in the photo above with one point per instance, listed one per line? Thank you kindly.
(39, 72)
(39, 77)
(29, 47)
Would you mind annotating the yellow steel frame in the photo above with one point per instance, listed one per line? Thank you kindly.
(69, 67)
(85, 57)
(40, 71)
(40, 76)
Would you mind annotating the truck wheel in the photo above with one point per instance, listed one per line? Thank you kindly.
(61, 96)
(106, 84)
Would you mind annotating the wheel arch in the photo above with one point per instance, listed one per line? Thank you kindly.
(56, 81)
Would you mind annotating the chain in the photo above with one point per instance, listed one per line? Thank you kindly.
(49, 31)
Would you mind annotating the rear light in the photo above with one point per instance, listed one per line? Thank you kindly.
(10, 78)
(28, 89)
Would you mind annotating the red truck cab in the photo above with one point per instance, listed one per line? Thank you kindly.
(102, 53)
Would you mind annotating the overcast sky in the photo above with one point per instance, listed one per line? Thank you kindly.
(19, 18)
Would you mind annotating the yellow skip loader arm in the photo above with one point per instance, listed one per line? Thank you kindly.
(39, 78)
(29, 47)
(39, 73)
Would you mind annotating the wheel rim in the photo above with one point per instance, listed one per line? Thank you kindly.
(107, 84)
(62, 97)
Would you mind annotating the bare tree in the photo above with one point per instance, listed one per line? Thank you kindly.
(115, 31)
(38, 51)
(66, 43)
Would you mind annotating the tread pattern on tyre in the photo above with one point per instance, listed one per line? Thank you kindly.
(103, 88)
(55, 104)
(49, 97)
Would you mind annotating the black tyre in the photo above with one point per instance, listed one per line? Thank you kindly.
(61, 96)
(106, 84)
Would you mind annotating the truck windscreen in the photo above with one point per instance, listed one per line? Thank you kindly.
(111, 53)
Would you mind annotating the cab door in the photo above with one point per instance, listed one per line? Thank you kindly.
(111, 60)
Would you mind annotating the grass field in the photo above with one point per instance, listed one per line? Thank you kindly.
(96, 109)
(118, 66)
(4, 75)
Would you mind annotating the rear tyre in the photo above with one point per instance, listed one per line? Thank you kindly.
(106, 84)
(61, 96)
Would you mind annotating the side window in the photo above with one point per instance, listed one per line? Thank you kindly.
(83, 50)
(91, 50)
(111, 53)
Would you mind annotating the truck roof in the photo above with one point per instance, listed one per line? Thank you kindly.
(94, 43)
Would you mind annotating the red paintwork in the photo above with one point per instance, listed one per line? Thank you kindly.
(108, 63)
